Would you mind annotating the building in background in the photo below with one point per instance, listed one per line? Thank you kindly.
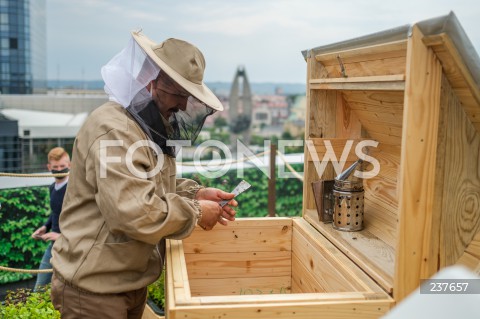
(47, 120)
(295, 124)
(23, 53)
(270, 109)
(10, 150)
(40, 131)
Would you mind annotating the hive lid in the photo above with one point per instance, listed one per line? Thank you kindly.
(448, 24)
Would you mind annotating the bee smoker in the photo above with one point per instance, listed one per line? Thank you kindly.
(348, 196)
(341, 201)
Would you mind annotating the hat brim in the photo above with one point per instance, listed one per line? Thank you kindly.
(200, 91)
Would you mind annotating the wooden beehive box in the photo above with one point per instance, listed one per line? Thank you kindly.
(415, 91)
(267, 268)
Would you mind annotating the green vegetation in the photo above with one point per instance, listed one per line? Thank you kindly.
(25, 304)
(254, 202)
(220, 122)
(156, 291)
(23, 211)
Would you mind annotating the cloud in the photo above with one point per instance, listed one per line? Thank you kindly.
(266, 36)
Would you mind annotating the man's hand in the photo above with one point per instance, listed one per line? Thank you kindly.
(39, 232)
(51, 236)
(214, 194)
(213, 213)
(217, 195)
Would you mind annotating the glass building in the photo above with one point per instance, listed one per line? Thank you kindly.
(10, 146)
(23, 68)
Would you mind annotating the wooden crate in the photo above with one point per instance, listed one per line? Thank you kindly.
(265, 268)
(415, 95)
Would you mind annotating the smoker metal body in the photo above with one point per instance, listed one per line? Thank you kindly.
(348, 206)
(341, 201)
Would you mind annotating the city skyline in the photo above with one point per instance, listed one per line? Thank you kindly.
(266, 37)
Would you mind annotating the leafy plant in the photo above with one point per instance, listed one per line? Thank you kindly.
(156, 291)
(25, 304)
(23, 211)
(254, 202)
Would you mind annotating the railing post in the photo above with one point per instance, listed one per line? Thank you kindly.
(271, 181)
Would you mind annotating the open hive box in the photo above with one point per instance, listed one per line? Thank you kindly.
(265, 268)
(415, 91)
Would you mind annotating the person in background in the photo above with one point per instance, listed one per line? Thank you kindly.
(58, 162)
(124, 198)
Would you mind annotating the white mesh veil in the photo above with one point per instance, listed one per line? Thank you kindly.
(127, 74)
(126, 77)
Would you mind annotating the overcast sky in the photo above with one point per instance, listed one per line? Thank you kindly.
(266, 36)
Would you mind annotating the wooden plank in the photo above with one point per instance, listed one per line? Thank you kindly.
(239, 265)
(381, 56)
(471, 257)
(361, 79)
(337, 146)
(249, 222)
(381, 223)
(268, 234)
(386, 138)
(148, 313)
(389, 159)
(474, 247)
(315, 100)
(369, 252)
(314, 125)
(340, 309)
(376, 101)
(266, 299)
(169, 290)
(347, 124)
(460, 195)
(179, 277)
(303, 280)
(458, 75)
(310, 175)
(316, 268)
(381, 209)
(373, 52)
(440, 169)
(453, 63)
(240, 286)
(334, 309)
(469, 261)
(322, 114)
(370, 124)
(416, 257)
(320, 122)
(382, 191)
(381, 114)
(387, 117)
(360, 86)
(381, 197)
(449, 66)
(173, 295)
(390, 66)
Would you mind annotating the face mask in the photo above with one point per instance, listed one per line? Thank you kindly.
(63, 171)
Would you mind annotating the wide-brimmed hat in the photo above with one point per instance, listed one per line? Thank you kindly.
(183, 62)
